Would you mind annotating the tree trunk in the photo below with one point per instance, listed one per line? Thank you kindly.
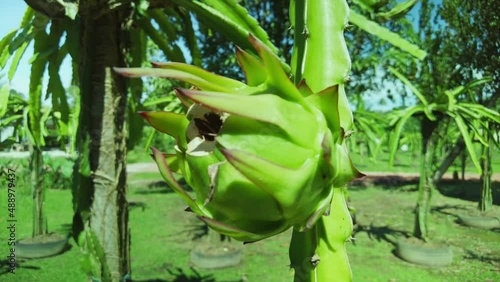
(464, 159)
(449, 159)
(101, 192)
(486, 201)
(36, 163)
(425, 185)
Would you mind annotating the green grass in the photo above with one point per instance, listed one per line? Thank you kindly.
(384, 215)
(409, 162)
(138, 155)
(162, 232)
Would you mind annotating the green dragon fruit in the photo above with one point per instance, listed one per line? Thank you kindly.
(261, 156)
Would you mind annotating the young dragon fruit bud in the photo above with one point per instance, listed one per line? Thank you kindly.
(261, 157)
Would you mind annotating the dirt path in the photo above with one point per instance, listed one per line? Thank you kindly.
(151, 167)
(142, 167)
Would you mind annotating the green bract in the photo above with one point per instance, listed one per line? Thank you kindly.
(261, 157)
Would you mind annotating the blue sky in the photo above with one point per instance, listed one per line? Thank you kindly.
(11, 13)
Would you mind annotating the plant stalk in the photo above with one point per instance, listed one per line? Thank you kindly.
(486, 201)
(36, 163)
(319, 253)
(425, 185)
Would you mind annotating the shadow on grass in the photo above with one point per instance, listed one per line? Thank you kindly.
(195, 231)
(152, 187)
(181, 275)
(387, 182)
(158, 187)
(65, 228)
(446, 210)
(142, 205)
(493, 260)
(5, 266)
(380, 233)
(469, 190)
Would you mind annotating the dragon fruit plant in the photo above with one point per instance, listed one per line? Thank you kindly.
(269, 155)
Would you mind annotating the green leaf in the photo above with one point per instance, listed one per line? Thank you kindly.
(43, 120)
(14, 41)
(42, 43)
(24, 37)
(482, 111)
(159, 40)
(277, 77)
(227, 83)
(27, 17)
(400, 10)
(150, 139)
(255, 72)
(365, 4)
(55, 88)
(460, 89)
(136, 88)
(5, 54)
(9, 119)
(385, 34)
(479, 130)
(4, 99)
(17, 57)
(369, 126)
(165, 171)
(231, 20)
(191, 39)
(190, 74)
(400, 121)
(165, 25)
(42, 55)
(72, 38)
(412, 87)
(172, 124)
(155, 101)
(468, 141)
(478, 82)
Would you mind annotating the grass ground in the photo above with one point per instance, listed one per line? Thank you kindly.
(409, 162)
(162, 237)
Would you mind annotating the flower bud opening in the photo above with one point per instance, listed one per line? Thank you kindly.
(203, 127)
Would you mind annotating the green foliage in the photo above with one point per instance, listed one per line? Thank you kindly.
(475, 41)
(442, 105)
(230, 19)
(14, 115)
(56, 173)
(14, 40)
(369, 130)
(458, 111)
(397, 11)
(218, 52)
(385, 34)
